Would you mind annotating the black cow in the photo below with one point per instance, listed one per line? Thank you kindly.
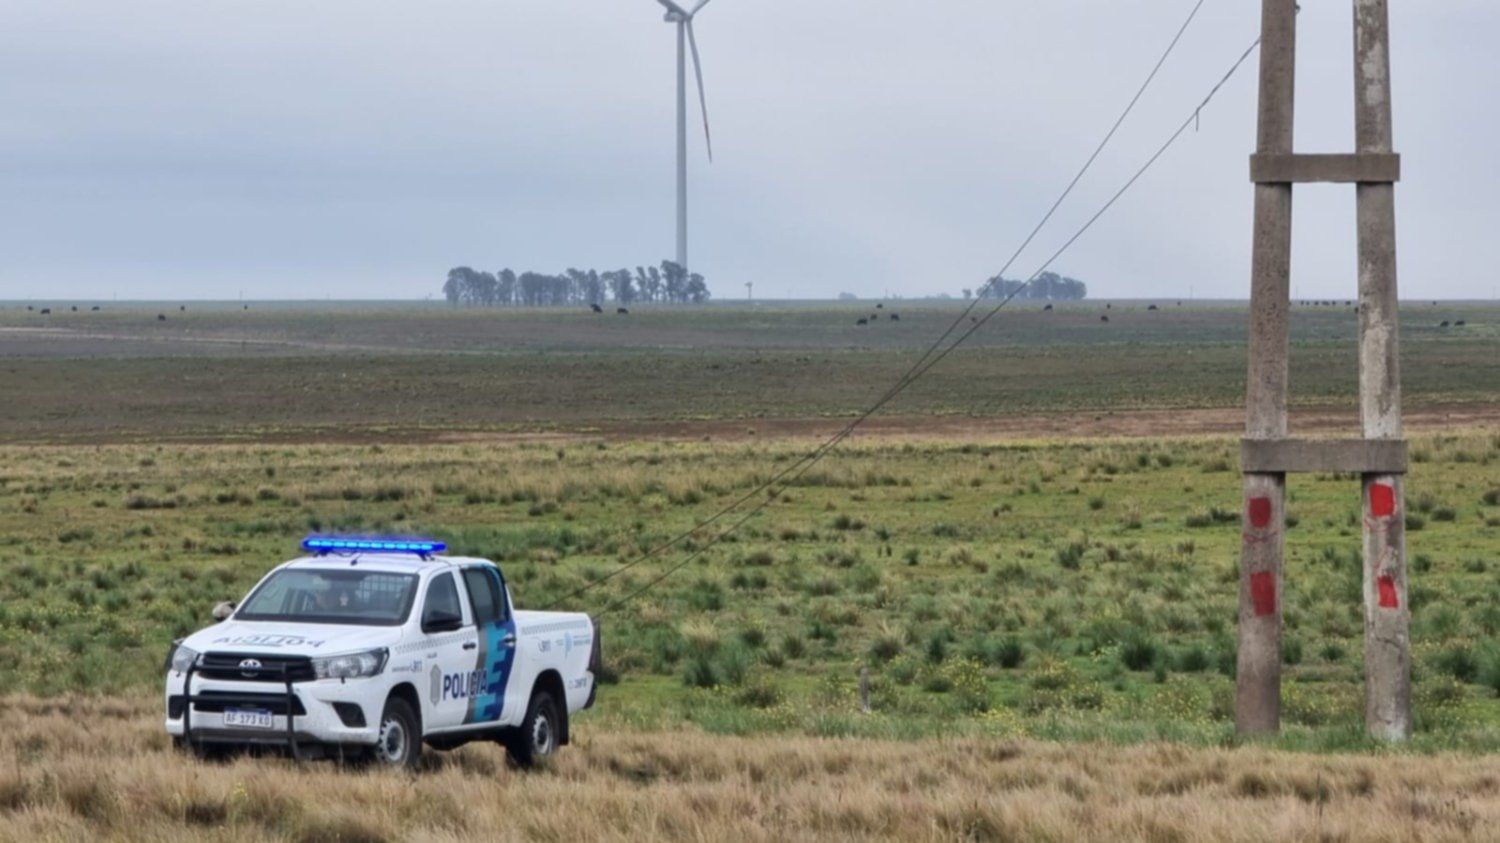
(1047, 308)
(622, 311)
(1445, 324)
(46, 311)
(1460, 323)
(880, 307)
(1103, 318)
(95, 308)
(863, 322)
(161, 317)
(597, 308)
(1152, 307)
(895, 317)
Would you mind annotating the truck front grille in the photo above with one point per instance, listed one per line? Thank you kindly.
(273, 668)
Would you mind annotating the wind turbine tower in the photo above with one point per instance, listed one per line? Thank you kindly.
(683, 19)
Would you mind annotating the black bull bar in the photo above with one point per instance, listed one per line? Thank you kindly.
(279, 673)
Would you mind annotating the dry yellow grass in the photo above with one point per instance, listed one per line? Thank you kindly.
(75, 769)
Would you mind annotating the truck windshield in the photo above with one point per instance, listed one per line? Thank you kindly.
(333, 596)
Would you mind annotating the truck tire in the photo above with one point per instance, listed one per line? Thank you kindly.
(537, 737)
(400, 743)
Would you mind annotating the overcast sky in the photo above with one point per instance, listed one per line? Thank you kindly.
(360, 148)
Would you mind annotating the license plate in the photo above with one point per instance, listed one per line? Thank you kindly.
(249, 718)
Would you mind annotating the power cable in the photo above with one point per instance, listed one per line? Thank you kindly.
(920, 366)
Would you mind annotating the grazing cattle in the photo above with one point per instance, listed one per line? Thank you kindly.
(1179, 304)
(161, 317)
(597, 308)
(880, 307)
(247, 307)
(30, 307)
(974, 319)
(622, 311)
(1103, 318)
(1460, 323)
(183, 308)
(895, 317)
(1152, 307)
(1108, 306)
(95, 308)
(75, 308)
(1047, 308)
(46, 311)
(863, 322)
(1445, 324)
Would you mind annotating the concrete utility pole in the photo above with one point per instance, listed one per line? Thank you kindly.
(1267, 454)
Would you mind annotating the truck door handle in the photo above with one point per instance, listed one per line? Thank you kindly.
(469, 645)
(509, 640)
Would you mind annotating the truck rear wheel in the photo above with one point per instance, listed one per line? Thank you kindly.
(400, 742)
(538, 735)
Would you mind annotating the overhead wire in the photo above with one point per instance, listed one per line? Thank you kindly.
(975, 326)
(926, 360)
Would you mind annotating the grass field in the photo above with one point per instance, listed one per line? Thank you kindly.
(88, 769)
(1067, 590)
(1022, 596)
(215, 373)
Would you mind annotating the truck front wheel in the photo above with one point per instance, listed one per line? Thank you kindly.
(537, 737)
(400, 743)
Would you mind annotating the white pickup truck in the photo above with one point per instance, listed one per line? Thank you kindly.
(369, 648)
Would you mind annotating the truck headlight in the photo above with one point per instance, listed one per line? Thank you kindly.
(350, 666)
(180, 658)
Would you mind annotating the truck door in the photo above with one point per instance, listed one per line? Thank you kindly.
(496, 632)
(451, 642)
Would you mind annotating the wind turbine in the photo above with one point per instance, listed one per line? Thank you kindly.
(684, 19)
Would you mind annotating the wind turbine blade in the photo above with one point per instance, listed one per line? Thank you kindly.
(701, 4)
(673, 7)
(702, 97)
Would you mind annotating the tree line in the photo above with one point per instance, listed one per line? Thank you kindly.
(1049, 286)
(670, 283)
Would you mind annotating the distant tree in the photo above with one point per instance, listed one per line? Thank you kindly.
(644, 285)
(466, 286)
(624, 292)
(968, 294)
(453, 288)
(658, 288)
(593, 287)
(848, 297)
(1049, 286)
(674, 276)
(697, 290)
(505, 287)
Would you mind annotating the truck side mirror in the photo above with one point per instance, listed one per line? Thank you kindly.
(440, 621)
(223, 610)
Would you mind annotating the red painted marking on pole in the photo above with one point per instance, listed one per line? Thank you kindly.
(1260, 513)
(1263, 593)
(1387, 584)
(1382, 500)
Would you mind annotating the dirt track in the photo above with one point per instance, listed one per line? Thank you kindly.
(1325, 421)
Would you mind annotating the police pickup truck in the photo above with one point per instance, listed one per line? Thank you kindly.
(369, 648)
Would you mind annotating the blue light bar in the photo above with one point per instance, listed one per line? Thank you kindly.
(331, 544)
